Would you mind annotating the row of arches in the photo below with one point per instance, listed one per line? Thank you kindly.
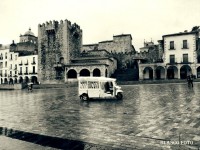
(172, 72)
(26, 79)
(71, 74)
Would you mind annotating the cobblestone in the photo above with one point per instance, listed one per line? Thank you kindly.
(147, 115)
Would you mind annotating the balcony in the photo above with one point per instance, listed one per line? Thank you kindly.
(10, 75)
(20, 64)
(26, 63)
(20, 73)
(5, 75)
(186, 61)
(33, 63)
(32, 73)
(26, 73)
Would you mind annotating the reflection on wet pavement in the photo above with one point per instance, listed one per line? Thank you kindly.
(147, 116)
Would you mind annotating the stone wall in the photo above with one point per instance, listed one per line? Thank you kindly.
(120, 43)
(57, 44)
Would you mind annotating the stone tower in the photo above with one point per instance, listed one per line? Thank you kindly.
(58, 43)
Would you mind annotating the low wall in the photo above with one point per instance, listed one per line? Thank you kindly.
(12, 86)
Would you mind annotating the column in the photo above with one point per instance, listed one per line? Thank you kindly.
(178, 67)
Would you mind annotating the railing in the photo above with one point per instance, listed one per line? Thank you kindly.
(33, 63)
(20, 73)
(33, 73)
(20, 64)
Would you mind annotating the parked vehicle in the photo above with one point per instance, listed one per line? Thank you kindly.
(98, 87)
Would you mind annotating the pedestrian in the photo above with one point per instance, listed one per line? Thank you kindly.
(190, 80)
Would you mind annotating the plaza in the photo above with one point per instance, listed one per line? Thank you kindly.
(151, 116)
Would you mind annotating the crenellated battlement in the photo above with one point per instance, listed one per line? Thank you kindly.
(52, 25)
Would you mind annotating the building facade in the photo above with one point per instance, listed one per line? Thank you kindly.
(19, 61)
(180, 58)
(58, 43)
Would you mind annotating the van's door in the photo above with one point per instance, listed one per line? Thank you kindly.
(93, 89)
(105, 90)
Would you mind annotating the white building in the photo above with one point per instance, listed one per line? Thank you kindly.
(180, 58)
(17, 69)
(180, 54)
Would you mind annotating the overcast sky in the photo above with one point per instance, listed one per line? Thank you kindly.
(101, 19)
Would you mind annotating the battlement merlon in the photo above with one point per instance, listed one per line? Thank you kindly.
(52, 25)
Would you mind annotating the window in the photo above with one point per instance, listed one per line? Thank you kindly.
(26, 69)
(171, 46)
(6, 56)
(15, 57)
(185, 58)
(93, 84)
(33, 69)
(6, 64)
(185, 44)
(20, 69)
(10, 56)
(10, 66)
(33, 59)
(172, 58)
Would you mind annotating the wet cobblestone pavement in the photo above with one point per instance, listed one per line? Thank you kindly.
(149, 117)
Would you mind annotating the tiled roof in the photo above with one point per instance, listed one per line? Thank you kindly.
(181, 33)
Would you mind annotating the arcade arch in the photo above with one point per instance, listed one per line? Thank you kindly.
(84, 72)
(71, 74)
(96, 72)
(172, 72)
(148, 73)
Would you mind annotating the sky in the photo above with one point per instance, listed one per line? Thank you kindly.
(101, 19)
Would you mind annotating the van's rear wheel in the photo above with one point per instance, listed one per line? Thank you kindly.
(84, 97)
(119, 96)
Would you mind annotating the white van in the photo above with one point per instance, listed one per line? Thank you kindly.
(98, 87)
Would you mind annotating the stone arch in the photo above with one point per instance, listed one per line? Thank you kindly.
(34, 79)
(20, 80)
(84, 72)
(184, 71)
(71, 74)
(15, 81)
(198, 72)
(160, 72)
(148, 73)
(61, 60)
(96, 72)
(5, 80)
(26, 79)
(11, 81)
(172, 72)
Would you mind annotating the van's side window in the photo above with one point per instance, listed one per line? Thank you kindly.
(93, 84)
(83, 84)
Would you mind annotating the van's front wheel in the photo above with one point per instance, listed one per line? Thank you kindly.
(84, 97)
(119, 96)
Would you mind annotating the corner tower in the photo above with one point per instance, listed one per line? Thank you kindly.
(58, 43)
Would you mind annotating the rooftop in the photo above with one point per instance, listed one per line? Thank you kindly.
(180, 33)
